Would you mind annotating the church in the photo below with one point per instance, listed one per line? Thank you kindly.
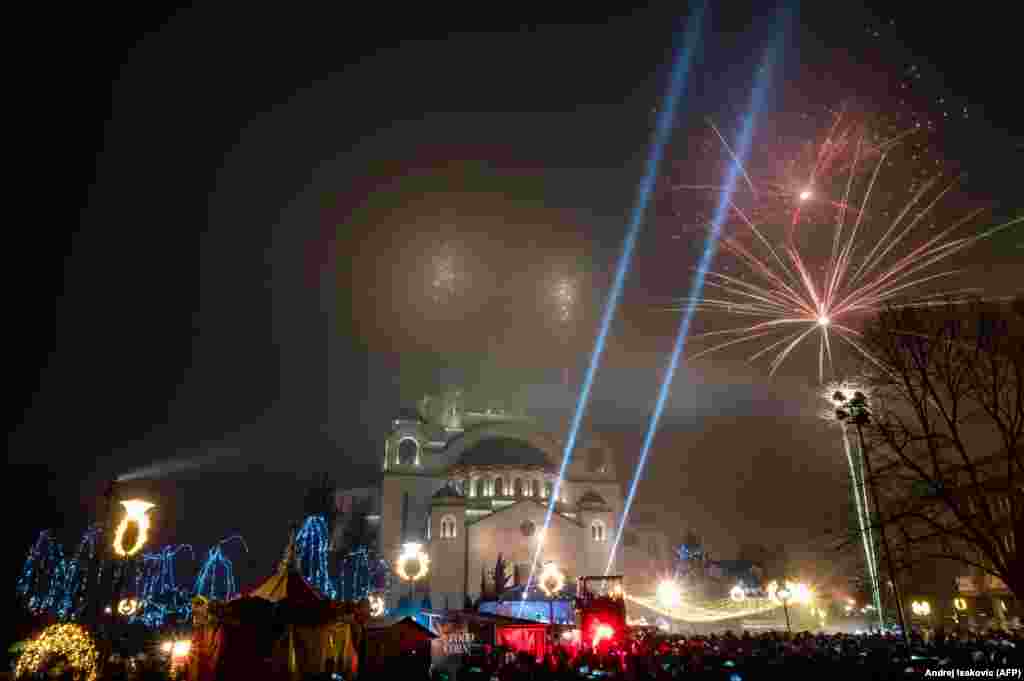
(470, 485)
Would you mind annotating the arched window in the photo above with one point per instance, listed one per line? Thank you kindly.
(597, 532)
(519, 487)
(479, 487)
(499, 487)
(535, 491)
(448, 527)
(408, 451)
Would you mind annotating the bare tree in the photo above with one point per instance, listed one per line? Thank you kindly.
(941, 429)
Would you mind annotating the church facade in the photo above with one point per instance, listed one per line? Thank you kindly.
(470, 485)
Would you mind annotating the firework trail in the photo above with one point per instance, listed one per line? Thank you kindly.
(836, 394)
(792, 296)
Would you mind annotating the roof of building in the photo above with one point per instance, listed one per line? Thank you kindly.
(503, 451)
(592, 497)
(448, 494)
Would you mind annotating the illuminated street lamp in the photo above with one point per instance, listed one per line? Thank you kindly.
(551, 581)
(412, 552)
(784, 595)
(669, 595)
(135, 512)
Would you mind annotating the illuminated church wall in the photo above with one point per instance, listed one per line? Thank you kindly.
(502, 532)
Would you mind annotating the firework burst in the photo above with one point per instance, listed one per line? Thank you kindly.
(874, 261)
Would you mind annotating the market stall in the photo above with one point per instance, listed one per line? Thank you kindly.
(283, 629)
(400, 641)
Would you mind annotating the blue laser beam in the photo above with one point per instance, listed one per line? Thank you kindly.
(710, 246)
(662, 133)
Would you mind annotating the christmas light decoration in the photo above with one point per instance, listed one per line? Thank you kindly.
(707, 612)
(157, 590)
(206, 583)
(376, 605)
(81, 574)
(312, 545)
(412, 552)
(127, 607)
(551, 580)
(70, 641)
(40, 584)
(135, 511)
(363, 573)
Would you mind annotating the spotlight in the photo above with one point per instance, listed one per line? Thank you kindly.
(823, 321)
(806, 195)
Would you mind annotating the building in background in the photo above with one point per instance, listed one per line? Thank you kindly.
(470, 485)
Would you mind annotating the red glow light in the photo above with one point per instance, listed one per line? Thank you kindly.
(602, 632)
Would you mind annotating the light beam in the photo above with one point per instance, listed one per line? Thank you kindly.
(711, 243)
(662, 133)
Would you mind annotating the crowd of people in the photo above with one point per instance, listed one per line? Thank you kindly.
(770, 655)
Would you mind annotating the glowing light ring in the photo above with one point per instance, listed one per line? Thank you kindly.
(135, 510)
(738, 594)
(551, 580)
(960, 604)
(412, 552)
(127, 607)
(376, 605)
(71, 641)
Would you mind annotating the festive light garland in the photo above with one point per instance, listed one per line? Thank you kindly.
(312, 545)
(135, 511)
(551, 580)
(40, 584)
(206, 580)
(81, 574)
(412, 552)
(363, 573)
(71, 641)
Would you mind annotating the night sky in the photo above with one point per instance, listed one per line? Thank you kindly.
(248, 238)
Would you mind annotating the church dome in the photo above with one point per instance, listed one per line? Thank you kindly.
(503, 452)
(592, 498)
(447, 494)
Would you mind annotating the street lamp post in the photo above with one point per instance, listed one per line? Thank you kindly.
(784, 595)
(412, 552)
(857, 411)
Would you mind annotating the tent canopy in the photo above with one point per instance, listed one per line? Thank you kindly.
(406, 625)
(289, 587)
